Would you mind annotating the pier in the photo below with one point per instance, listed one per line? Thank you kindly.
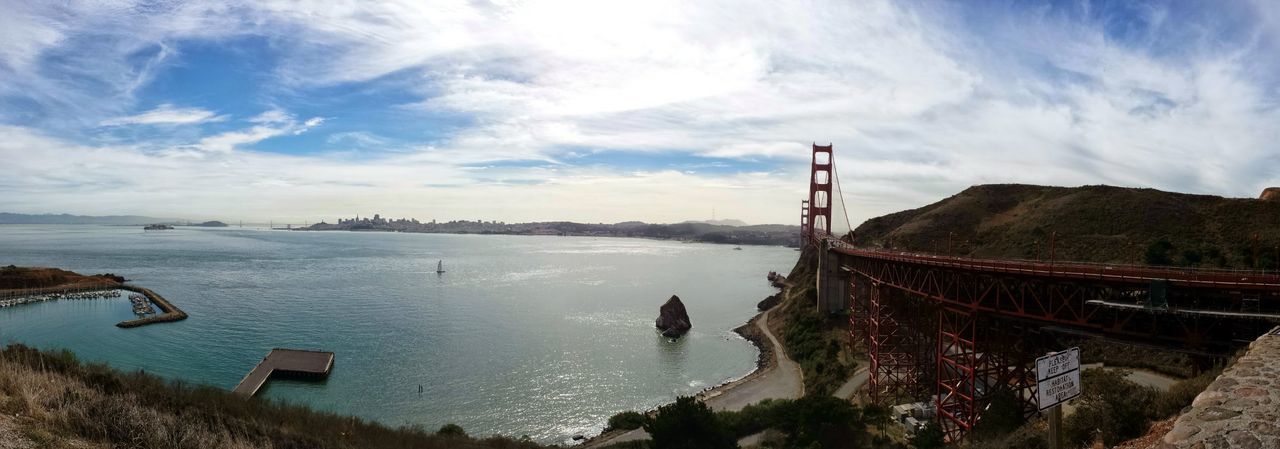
(286, 363)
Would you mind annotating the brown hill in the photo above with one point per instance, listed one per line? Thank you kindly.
(12, 277)
(1093, 223)
(1270, 194)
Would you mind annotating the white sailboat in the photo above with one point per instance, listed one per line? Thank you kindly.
(440, 267)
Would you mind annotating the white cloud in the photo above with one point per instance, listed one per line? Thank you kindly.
(919, 99)
(271, 123)
(167, 114)
(231, 185)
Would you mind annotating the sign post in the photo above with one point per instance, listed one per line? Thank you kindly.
(1057, 381)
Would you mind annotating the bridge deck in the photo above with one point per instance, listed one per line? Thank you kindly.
(1082, 270)
(294, 363)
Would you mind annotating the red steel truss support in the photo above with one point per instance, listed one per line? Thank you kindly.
(894, 347)
(820, 193)
(858, 312)
(958, 362)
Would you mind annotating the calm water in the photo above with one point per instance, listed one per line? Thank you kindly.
(538, 336)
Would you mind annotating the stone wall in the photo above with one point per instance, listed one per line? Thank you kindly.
(1240, 409)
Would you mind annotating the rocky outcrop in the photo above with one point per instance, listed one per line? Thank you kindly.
(1270, 194)
(673, 319)
(769, 302)
(777, 280)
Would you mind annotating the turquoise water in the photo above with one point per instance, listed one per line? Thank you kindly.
(538, 336)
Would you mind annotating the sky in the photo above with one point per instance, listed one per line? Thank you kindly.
(602, 111)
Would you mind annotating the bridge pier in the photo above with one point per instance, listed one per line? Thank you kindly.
(833, 282)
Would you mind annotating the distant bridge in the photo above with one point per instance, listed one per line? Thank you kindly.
(953, 330)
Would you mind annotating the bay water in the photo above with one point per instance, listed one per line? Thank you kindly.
(542, 336)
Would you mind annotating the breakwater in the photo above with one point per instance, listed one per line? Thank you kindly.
(171, 312)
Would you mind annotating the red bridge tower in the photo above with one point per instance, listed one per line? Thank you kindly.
(818, 224)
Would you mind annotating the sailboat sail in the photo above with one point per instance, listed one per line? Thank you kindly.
(440, 267)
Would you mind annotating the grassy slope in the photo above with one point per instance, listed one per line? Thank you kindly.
(50, 400)
(1093, 223)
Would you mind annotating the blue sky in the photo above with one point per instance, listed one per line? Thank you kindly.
(611, 111)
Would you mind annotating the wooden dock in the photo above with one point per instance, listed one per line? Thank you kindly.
(286, 363)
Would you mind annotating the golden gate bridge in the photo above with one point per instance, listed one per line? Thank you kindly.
(955, 330)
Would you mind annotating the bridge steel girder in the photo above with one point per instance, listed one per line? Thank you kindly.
(895, 347)
(1076, 304)
(859, 312)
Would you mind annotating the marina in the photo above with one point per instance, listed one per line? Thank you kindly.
(149, 315)
(23, 299)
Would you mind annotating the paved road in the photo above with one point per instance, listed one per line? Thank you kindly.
(854, 383)
(783, 381)
(1140, 376)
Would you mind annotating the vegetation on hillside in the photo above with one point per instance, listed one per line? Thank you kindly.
(1110, 410)
(1090, 223)
(13, 277)
(818, 343)
(809, 422)
(52, 400)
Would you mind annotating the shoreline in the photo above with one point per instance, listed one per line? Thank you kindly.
(766, 362)
(660, 239)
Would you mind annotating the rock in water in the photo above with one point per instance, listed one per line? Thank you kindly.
(673, 320)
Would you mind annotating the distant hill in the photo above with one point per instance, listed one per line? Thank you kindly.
(688, 231)
(210, 224)
(1093, 223)
(8, 218)
(724, 222)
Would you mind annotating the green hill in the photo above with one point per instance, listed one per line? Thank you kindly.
(1092, 223)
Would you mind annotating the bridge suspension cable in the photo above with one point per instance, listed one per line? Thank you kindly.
(839, 193)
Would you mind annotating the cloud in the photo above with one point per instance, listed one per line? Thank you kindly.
(167, 114)
(921, 99)
(68, 176)
(271, 123)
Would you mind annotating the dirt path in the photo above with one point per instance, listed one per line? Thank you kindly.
(783, 380)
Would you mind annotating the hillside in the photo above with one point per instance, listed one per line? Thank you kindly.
(12, 277)
(51, 400)
(1093, 223)
(10, 218)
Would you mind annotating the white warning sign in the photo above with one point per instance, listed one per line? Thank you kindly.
(1057, 378)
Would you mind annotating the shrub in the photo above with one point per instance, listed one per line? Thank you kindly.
(626, 421)
(1158, 252)
(687, 424)
(1182, 393)
(930, 437)
(1110, 407)
(451, 430)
